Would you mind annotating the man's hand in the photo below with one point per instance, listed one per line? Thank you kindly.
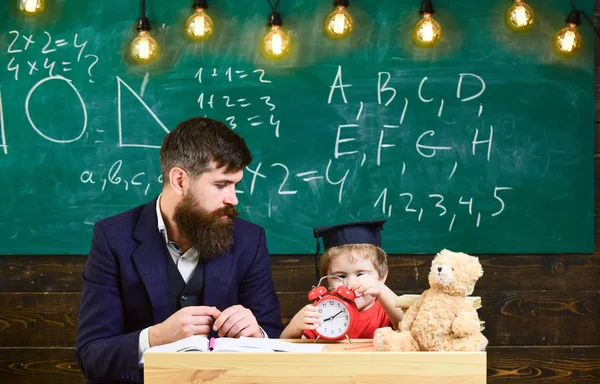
(367, 285)
(237, 321)
(188, 321)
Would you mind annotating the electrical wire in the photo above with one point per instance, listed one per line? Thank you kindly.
(591, 23)
(273, 6)
(589, 19)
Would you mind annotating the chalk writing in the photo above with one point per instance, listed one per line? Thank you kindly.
(115, 176)
(260, 110)
(53, 55)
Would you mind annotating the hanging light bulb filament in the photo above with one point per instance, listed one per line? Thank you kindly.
(520, 16)
(199, 26)
(567, 41)
(339, 22)
(31, 6)
(276, 42)
(144, 48)
(427, 32)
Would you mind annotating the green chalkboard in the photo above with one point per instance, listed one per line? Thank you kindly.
(482, 144)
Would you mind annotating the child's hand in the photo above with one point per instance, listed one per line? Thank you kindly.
(307, 318)
(367, 285)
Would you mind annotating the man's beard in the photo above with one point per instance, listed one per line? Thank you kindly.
(209, 233)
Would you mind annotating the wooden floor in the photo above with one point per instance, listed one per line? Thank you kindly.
(542, 312)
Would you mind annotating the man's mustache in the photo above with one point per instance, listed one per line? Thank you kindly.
(228, 210)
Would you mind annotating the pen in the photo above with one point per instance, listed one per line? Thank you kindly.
(359, 346)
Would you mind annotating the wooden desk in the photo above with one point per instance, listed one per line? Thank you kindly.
(334, 364)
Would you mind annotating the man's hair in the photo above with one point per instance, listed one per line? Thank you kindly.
(375, 254)
(196, 142)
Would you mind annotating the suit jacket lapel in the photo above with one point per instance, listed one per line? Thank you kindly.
(149, 259)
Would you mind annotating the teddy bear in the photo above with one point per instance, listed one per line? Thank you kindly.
(441, 319)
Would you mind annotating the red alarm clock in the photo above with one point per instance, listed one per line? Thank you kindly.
(337, 309)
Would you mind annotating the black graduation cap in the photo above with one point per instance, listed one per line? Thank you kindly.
(361, 232)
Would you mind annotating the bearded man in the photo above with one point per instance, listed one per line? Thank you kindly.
(181, 265)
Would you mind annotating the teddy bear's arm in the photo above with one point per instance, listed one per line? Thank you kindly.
(411, 313)
(466, 322)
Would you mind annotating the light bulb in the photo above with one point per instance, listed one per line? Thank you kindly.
(144, 48)
(199, 26)
(427, 32)
(277, 44)
(567, 41)
(339, 23)
(520, 16)
(31, 6)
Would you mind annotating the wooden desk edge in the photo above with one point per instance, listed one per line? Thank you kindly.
(330, 366)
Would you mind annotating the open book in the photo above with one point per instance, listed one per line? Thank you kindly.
(226, 344)
(203, 344)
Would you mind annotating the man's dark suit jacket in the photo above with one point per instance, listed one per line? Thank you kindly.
(125, 289)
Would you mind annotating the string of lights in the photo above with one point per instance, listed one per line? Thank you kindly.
(339, 24)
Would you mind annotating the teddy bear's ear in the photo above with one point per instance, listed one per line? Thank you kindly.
(442, 253)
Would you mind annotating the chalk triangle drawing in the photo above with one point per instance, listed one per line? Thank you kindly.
(149, 138)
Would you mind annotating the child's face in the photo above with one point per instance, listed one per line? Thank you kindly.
(349, 266)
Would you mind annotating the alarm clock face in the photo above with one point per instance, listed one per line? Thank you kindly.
(335, 318)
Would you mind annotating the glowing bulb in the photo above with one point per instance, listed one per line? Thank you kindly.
(520, 16)
(339, 23)
(144, 48)
(567, 41)
(31, 6)
(199, 26)
(277, 44)
(427, 32)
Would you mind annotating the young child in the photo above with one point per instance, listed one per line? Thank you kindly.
(353, 253)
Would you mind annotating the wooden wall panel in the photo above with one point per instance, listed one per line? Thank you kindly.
(535, 364)
(291, 273)
(512, 317)
(38, 319)
(41, 273)
(39, 366)
(513, 272)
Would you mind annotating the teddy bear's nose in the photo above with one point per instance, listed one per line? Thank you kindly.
(439, 269)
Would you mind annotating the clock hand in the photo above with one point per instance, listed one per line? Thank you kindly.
(334, 316)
